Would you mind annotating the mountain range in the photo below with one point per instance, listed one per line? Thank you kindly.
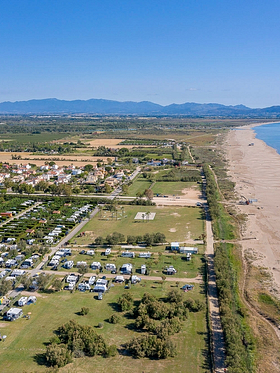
(109, 107)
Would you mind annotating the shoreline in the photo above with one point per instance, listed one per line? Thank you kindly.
(256, 172)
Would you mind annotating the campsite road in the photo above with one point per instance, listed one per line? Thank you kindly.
(214, 309)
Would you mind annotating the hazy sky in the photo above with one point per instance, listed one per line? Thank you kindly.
(163, 51)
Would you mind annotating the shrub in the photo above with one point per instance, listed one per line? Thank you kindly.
(58, 355)
(84, 311)
(114, 319)
(125, 302)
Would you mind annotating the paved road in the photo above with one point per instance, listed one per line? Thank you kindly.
(214, 309)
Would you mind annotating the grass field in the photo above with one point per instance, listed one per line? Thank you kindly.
(172, 187)
(26, 339)
(36, 137)
(177, 223)
(138, 186)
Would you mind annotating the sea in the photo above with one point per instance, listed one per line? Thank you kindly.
(270, 134)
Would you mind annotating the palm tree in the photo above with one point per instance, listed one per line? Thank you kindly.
(148, 215)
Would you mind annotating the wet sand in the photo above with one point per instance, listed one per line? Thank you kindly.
(256, 172)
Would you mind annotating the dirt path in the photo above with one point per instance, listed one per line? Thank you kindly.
(214, 309)
(189, 150)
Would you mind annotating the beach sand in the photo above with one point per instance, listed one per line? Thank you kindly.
(256, 171)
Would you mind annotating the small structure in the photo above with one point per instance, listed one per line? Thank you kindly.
(175, 246)
(107, 252)
(128, 254)
(145, 255)
(110, 267)
(135, 279)
(100, 295)
(145, 216)
(171, 270)
(22, 301)
(17, 272)
(119, 279)
(143, 269)
(126, 269)
(69, 264)
(31, 299)
(91, 280)
(72, 278)
(95, 265)
(188, 250)
(14, 313)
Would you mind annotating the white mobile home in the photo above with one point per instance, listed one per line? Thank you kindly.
(128, 254)
(145, 255)
(14, 313)
(22, 301)
(188, 250)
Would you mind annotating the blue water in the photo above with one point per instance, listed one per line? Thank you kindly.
(270, 134)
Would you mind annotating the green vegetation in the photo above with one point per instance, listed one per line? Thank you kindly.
(239, 342)
(26, 339)
(223, 226)
(181, 223)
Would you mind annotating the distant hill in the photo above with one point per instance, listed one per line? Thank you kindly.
(109, 107)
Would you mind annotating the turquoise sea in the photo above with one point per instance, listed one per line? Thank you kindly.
(270, 134)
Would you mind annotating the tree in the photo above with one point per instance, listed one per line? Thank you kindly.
(107, 188)
(149, 194)
(58, 355)
(5, 287)
(84, 311)
(88, 167)
(83, 269)
(26, 281)
(125, 302)
(57, 285)
(114, 319)
(42, 281)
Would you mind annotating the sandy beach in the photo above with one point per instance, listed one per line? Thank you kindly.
(256, 172)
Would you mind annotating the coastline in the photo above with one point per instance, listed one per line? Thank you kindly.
(256, 172)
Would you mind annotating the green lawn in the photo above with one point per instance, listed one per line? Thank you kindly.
(172, 187)
(177, 223)
(26, 339)
(138, 186)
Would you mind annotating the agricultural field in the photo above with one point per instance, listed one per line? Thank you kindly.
(177, 223)
(26, 339)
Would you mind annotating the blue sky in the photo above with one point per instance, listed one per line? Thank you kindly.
(162, 51)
